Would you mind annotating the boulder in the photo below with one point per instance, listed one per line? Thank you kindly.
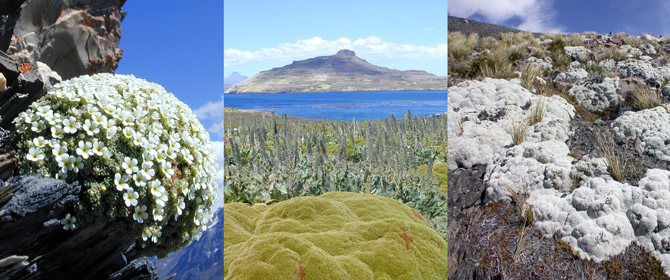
(597, 96)
(72, 37)
(572, 76)
(578, 53)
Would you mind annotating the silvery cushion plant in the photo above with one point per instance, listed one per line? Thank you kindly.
(144, 161)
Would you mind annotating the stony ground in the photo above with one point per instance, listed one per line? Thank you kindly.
(492, 241)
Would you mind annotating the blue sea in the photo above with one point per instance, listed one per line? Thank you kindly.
(357, 105)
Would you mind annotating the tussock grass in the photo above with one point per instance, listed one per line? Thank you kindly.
(607, 149)
(574, 39)
(518, 132)
(537, 112)
(529, 73)
(459, 124)
(516, 38)
(632, 41)
(613, 53)
(646, 98)
(590, 34)
(459, 50)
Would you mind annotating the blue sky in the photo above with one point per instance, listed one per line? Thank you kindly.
(569, 16)
(261, 35)
(180, 47)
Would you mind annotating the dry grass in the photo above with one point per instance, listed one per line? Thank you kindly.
(574, 39)
(537, 112)
(646, 98)
(529, 73)
(518, 132)
(632, 41)
(607, 149)
(613, 53)
(590, 34)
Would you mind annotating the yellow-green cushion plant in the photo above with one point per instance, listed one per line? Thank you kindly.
(145, 163)
(338, 235)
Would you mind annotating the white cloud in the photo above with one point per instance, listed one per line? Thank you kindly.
(371, 48)
(217, 147)
(535, 15)
(212, 111)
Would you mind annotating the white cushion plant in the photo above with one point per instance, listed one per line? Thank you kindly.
(145, 163)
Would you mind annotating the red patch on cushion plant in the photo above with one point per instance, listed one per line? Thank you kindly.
(438, 243)
(417, 215)
(408, 237)
(301, 271)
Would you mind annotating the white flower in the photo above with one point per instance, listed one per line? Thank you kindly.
(130, 197)
(141, 213)
(139, 179)
(166, 167)
(158, 213)
(155, 233)
(186, 155)
(85, 149)
(66, 163)
(171, 153)
(91, 128)
(35, 154)
(156, 189)
(128, 132)
(68, 222)
(42, 110)
(52, 118)
(57, 131)
(127, 119)
(121, 181)
(98, 148)
(146, 233)
(59, 151)
(77, 164)
(147, 171)
(148, 156)
(180, 206)
(38, 126)
(71, 125)
(185, 236)
(61, 176)
(130, 165)
(39, 141)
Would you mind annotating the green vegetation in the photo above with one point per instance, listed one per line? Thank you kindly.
(144, 162)
(274, 158)
(337, 235)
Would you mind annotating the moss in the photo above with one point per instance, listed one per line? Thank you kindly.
(338, 235)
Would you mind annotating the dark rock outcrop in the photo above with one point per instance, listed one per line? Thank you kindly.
(343, 71)
(73, 37)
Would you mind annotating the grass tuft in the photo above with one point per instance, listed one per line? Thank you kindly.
(646, 98)
(518, 132)
(607, 148)
(537, 113)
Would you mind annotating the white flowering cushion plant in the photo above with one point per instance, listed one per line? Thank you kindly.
(145, 163)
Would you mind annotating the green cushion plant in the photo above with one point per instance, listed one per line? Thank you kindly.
(145, 163)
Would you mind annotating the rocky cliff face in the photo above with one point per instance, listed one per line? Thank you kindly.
(343, 71)
(72, 37)
(48, 41)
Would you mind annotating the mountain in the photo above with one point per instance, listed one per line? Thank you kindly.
(203, 259)
(234, 78)
(343, 71)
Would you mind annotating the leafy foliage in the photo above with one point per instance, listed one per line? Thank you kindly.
(271, 159)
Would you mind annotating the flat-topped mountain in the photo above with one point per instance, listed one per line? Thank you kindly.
(343, 71)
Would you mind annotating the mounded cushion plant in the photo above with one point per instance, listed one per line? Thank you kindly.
(337, 235)
(145, 163)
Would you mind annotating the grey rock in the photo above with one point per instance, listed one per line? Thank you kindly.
(666, 90)
(598, 96)
(648, 49)
(139, 269)
(572, 76)
(578, 53)
(73, 38)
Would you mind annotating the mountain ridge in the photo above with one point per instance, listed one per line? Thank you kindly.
(343, 71)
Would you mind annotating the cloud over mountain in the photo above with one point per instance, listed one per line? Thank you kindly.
(371, 48)
(535, 15)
